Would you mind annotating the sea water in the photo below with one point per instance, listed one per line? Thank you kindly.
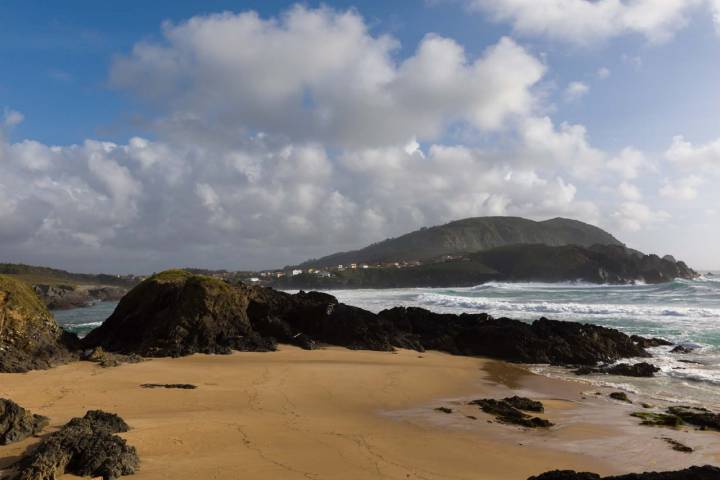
(684, 312)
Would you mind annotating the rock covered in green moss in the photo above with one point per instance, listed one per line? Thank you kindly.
(30, 338)
(177, 313)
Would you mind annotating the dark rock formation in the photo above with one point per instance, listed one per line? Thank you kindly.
(506, 413)
(650, 342)
(686, 348)
(620, 396)
(677, 446)
(543, 341)
(176, 313)
(642, 369)
(108, 359)
(676, 416)
(654, 419)
(29, 336)
(693, 473)
(86, 447)
(522, 403)
(181, 386)
(697, 416)
(16, 423)
(444, 410)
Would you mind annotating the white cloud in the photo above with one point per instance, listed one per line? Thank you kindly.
(629, 192)
(630, 163)
(12, 118)
(603, 73)
(685, 155)
(716, 14)
(634, 216)
(269, 75)
(588, 21)
(575, 91)
(276, 140)
(682, 189)
(566, 147)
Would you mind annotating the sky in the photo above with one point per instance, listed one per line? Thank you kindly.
(138, 136)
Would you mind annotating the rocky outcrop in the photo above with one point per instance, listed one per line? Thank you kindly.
(506, 412)
(676, 416)
(650, 342)
(86, 447)
(693, 473)
(642, 369)
(63, 297)
(29, 336)
(177, 313)
(16, 423)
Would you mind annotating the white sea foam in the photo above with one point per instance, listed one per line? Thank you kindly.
(492, 305)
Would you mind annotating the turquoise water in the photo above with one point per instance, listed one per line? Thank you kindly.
(684, 312)
(82, 320)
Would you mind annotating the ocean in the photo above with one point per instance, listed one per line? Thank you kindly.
(684, 312)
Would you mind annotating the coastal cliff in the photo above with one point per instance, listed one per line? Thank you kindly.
(30, 338)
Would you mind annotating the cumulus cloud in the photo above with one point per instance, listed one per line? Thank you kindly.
(628, 191)
(575, 91)
(630, 163)
(275, 140)
(12, 118)
(268, 75)
(603, 73)
(633, 216)
(685, 155)
(111, 199)
(587, 21)
(566, 146)
(682, 189)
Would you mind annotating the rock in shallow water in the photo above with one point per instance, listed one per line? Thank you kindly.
(642, 369)
(16, 423)
(505, 412)
(87, 447)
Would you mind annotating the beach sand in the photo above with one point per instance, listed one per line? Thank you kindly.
(341, 414)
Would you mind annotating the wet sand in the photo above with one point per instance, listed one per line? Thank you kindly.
(336, 413)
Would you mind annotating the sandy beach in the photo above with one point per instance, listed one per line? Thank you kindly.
(336, 413)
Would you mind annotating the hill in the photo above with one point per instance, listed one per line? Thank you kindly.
(471, 235)
(36, 275)
(60, 290)
(612, 264)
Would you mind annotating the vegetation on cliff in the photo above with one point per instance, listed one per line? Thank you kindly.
(176, 313)
(29, 336)
(472, 235)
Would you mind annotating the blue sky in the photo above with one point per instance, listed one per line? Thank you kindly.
(583, 126)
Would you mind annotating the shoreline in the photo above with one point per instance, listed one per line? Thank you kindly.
(338, 413)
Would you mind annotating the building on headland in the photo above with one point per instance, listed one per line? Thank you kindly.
(297, 271)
